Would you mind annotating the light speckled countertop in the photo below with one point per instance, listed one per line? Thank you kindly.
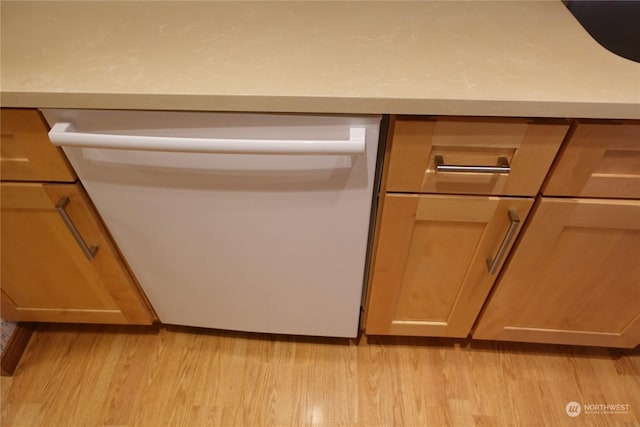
(469, 58)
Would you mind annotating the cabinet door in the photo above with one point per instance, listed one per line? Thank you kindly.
(430, 273)
(600, 159)
(46, 276)
(574, 278)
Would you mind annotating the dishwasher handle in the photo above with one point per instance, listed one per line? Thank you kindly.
(64, 134)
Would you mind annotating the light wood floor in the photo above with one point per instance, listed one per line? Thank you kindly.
(117, 376)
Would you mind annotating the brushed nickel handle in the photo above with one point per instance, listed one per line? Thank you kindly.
(89, 251)
(502, 167)
(492, 264)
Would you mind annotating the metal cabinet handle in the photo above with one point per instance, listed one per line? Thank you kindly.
(89, 251)
(492, 264)
(502, 167)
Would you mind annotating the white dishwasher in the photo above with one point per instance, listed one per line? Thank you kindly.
(248, 222)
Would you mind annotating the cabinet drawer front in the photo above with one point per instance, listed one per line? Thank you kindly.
(599, 160)
(418, 145)
(26, 152)
(430, 274)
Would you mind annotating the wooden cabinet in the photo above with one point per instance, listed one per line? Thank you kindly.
(434, 265)
(46, 275)
(574, 278)
(601, 159)
(26, 153)
(436, 256)
(421, 146)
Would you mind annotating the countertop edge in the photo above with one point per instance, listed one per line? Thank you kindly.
(328, 105)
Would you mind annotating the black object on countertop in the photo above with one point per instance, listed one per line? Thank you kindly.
(614, 24)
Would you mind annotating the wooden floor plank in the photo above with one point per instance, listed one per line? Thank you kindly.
(124, 376)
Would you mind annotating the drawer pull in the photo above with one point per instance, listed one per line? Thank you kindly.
(89, 251)
(492, 264)
(502, 167)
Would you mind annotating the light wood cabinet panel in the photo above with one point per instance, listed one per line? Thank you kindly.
(26, 154)
(45, 274)
(528, 146)
(600, 159)
(430, 275)
(573, 279)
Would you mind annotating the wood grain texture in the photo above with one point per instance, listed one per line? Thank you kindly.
(15, 348)
(574, 277)
(133, 376)
(529, 146)
(430, 275)
(600, 159)
(26, 154)
(46, 276)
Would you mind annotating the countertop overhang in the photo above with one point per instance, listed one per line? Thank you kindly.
(516, 58)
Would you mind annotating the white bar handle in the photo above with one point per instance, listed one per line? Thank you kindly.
(64, 134)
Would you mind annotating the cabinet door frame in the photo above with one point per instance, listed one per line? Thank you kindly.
(535, 250)
(401, 214)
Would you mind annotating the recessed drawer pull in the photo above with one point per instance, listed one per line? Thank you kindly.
(492, 264)
(502, 167)
(89, 251)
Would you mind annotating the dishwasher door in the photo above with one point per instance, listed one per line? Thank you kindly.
(234, 221)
